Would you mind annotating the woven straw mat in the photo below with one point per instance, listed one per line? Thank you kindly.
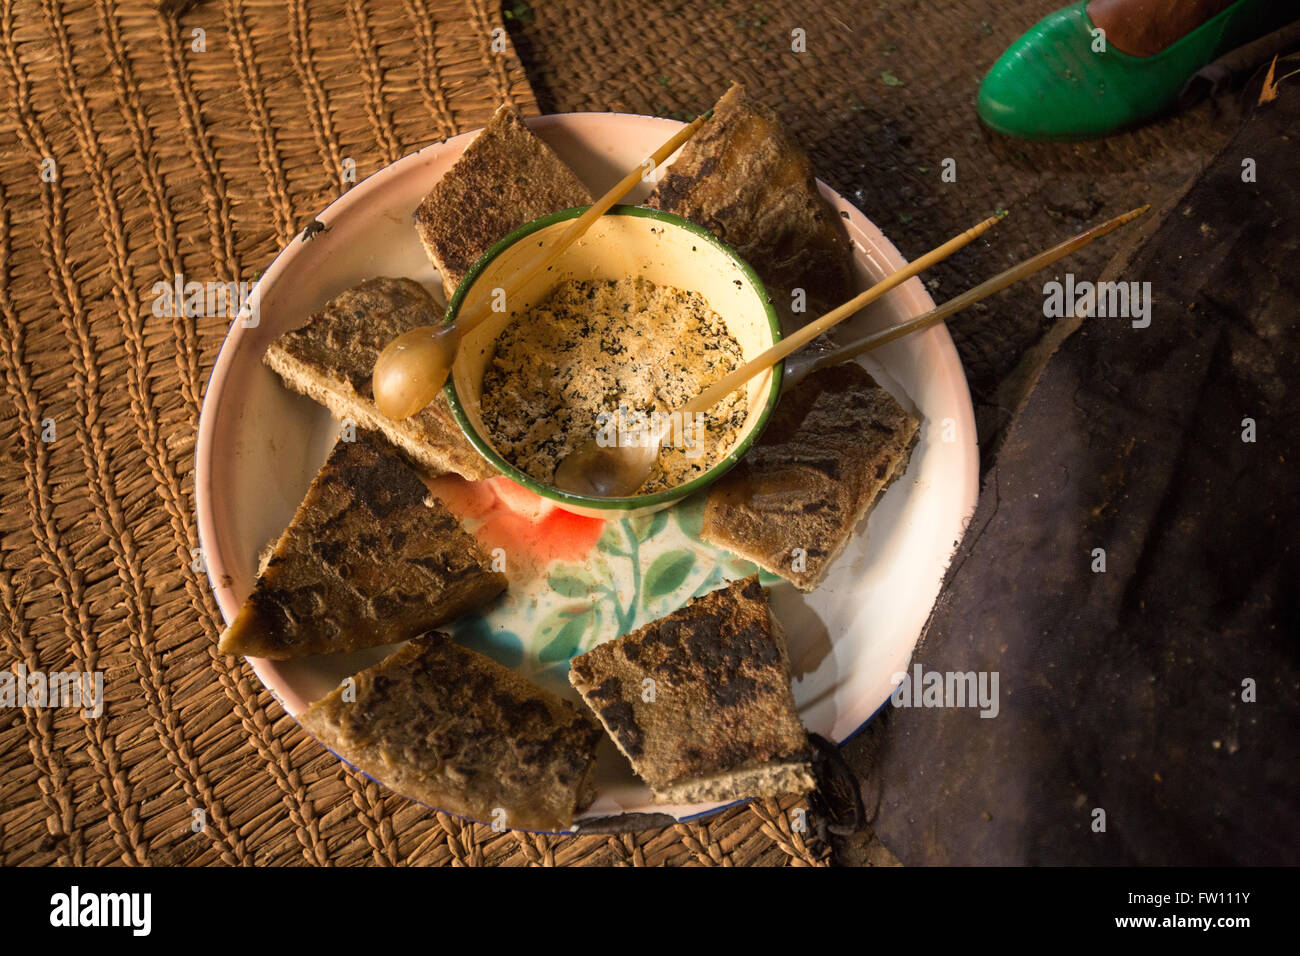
(129, 155)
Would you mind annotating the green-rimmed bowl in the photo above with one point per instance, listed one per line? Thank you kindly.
(627, 241)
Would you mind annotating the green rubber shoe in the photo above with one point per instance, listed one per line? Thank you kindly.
(1050, 84)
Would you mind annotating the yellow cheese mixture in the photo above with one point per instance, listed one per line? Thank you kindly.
(595, 345)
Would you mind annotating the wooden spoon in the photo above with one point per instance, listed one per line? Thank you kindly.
(618, 471)
(413, 367)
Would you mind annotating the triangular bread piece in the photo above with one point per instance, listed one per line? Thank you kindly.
(370, 558)
(454, 729)
(331, 357)
(745, 180)
(700, 700)
(830, 449)
(505, 178)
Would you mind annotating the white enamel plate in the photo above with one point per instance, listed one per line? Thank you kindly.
(577, 584)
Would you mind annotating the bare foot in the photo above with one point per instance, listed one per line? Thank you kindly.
(1145, 27)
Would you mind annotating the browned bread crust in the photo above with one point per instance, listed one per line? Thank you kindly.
(459, 732)
(370, 558)
(505, 178)
(830, 449)
(331, 357)
(722, 724)
(747, 182)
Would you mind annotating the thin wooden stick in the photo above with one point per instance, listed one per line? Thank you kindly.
(414, 366)
(981, 291)
(723, 386)
(580, 225)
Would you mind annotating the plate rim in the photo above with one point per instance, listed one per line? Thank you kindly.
(228, 604)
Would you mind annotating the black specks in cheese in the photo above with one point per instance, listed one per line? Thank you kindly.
(595, 345)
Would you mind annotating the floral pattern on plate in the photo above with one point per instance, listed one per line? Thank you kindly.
(576, 582)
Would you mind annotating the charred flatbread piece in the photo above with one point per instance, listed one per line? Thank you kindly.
(331, 357)
(745, 180)
(830, 449)
(505, 178)
(370, 558)
(722, 724)
(454, 729)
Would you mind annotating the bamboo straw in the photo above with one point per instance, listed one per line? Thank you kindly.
(981, 291)
(721, 388)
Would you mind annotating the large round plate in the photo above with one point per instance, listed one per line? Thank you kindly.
(259, 446)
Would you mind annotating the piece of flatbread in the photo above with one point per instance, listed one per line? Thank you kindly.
(505, 178)
(831, 447)
(330, 358)
(722, 724)
(454, 729)
(746, 181)
(370, 558)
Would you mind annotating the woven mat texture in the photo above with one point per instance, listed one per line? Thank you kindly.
(169, 160)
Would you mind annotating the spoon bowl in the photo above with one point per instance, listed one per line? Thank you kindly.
(413, 368)
(623, 470)
(608, 471)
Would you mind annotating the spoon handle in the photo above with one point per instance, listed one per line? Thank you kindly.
(413, 367)
(971, 296)
(467, 323)
(723, 387)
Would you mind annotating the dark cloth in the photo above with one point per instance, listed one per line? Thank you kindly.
(1123, 690)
